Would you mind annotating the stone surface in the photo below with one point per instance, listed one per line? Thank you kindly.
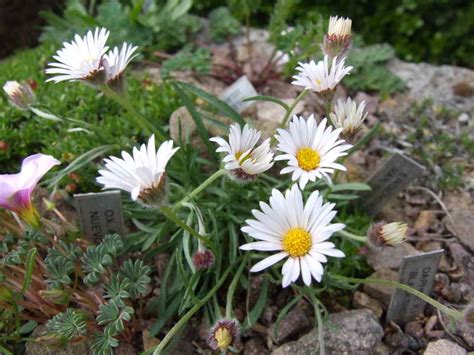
(349, 332)
(444, 347)
(461, 208)
(438, 83)
(361, 300)
(390, 257)
(379, 292)
(255, 346)
(295, 322)
(33, 348)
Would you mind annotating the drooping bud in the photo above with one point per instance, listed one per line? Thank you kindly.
(383, 234)
(224, 334)
(338, 40)
(20, 95)
(203, 259)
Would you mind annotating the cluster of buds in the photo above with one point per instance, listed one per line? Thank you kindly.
(224, 334)
(338, 40)
(20, 95)
(383, 234)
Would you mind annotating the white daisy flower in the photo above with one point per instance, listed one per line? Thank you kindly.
(311, 149)
(143, 174)
(348, 116)
(244, 160)
(298, 231)
(320, 77)
(115, 62)
(81, 59)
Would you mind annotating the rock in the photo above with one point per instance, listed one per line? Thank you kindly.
(461, 208)
(464, 261)
(390, 257)
(381, 349)
(149, 341)
(436, 82)
(269, 116)
(380, 292)
(350, 332)
(34, 348)
(361, 300)
(293, 323)
(444, 347)
(371, 102)
(424, 220)
(255, 346)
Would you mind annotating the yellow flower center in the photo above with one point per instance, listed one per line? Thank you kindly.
(223, 337)
(238, 155)
(297, 242)
(308, 159)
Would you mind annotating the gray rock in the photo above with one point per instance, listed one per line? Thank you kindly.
(349, 332)
(461, 208)
(380, 292)
(390, 257)
(438, 83)
(295, 322)
(361, 300)
(255, 346)
(444, 347)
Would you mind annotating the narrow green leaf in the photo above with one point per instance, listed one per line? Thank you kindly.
(284, 312)
(220, 105)
(28, 327)
(259, 306)
(351, 186)
(30, 263)
(164, 316)
(342, 197)
(268, 99)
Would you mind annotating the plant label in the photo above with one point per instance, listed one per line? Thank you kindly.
(418, 272)
(395, 174)
(100, 214)
(235, 94)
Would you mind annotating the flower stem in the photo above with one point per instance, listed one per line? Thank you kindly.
(319, 320)
(292, 107)
(199, 189)
(182, 322)
(345, 234)
(442, 308)
(171, 215)
(123, 101)
(233, 286)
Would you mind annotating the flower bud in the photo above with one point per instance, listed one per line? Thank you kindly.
(20, 95)
(383, 234)
(338, 40)
(224, 334)
(203, 259)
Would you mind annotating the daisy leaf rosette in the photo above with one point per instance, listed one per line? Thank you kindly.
(16, 189)
(244, 159)
(321, 77)
(311, 149)
(142, 174)
(298, 232)
(81, 59)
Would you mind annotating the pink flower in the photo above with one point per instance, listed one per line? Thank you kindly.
(16, 189)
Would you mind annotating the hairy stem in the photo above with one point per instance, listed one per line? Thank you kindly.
(171, 215)
(345, 234)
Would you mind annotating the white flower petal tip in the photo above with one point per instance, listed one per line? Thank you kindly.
(321, 77)
(81, 59)
(310, 149)
(296, 231)
(115, 63)
(142, 174)
(349, 116)
(244, 159)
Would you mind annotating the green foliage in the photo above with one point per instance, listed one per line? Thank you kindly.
(198, 60)
(102, 343)
(95, 262)
(222, 24)
(69, 324)
(59, 270)
(112, 244)
(117, 288)
(369, 73)
(113, 314)
(135, 274)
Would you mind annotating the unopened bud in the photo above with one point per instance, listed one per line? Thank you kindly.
(224, 334)
(20, 95)
(203, 259)
(338, 40)
(383, 234)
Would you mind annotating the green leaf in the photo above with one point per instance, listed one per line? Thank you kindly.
(259, 306)
(102, 343)
(220, 105)
(113, 314)
(30, 263)
(284, 311)
(268, 99)
(136, 274)
(351, 186)
(28, 327)
(69, 324)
